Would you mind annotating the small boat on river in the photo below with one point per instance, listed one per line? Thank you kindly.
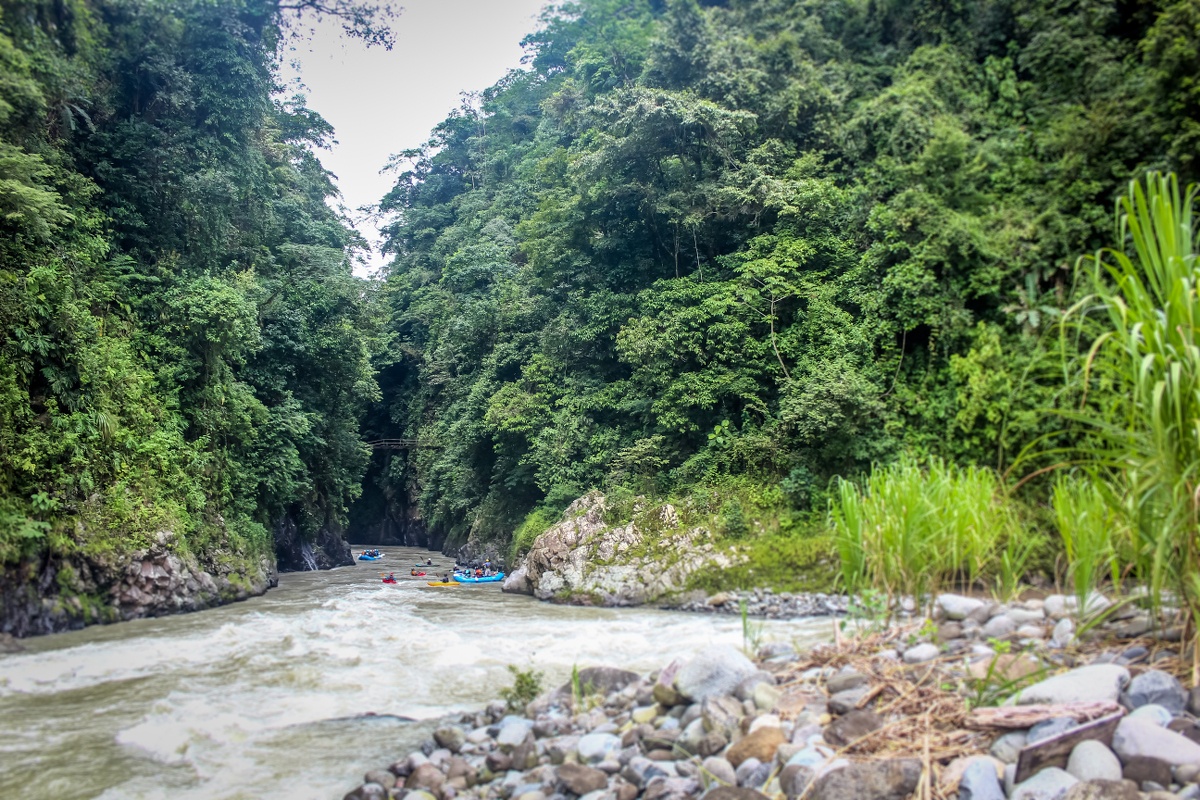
(370, 555)
(446, 584)
(499, 576)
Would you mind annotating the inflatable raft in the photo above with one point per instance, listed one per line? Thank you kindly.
(499, 576)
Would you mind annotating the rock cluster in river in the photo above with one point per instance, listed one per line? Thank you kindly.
(723, 727)
(584, 559)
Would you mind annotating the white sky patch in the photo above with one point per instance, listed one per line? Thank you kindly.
(381, 102)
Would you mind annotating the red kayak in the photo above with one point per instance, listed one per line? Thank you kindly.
(390, 580)
(417, 574)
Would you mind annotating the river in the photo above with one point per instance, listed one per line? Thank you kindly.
(297, 693)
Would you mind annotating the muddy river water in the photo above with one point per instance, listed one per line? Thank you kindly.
(297, 693)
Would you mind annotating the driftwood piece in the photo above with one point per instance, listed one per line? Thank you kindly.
(1017, 717)
(1054, 751)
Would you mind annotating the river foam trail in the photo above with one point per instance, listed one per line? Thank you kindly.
(297, 693)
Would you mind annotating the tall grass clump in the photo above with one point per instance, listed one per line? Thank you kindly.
(1089, 526)
(1145, 434)
(909, 530)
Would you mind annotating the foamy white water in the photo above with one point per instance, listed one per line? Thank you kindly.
(297, 693)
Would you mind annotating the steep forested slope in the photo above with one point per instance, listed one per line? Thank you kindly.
(765, 238)
(183, 347)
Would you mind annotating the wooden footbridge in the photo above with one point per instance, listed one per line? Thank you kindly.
(401, 444)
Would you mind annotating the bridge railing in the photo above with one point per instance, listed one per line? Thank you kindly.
(400, 444)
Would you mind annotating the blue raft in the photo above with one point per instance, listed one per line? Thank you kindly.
(499, 576)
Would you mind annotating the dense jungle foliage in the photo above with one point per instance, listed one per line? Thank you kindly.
(183, 346)
(764, 243)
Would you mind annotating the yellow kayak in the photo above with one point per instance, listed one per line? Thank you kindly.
(442, 583)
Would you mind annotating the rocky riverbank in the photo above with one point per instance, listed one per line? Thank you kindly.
(52, 594)
(768, 604)
(982, 702)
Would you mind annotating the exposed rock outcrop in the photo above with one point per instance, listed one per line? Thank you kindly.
(585, 560)
(294, 553)
(51, 594)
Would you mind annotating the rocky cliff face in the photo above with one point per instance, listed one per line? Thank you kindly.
(294, 553)
(49, 594)
(585, 560)
(389, 516)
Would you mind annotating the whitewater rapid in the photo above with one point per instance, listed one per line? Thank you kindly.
(297, 693)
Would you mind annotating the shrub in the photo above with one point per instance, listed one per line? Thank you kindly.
(527, 685)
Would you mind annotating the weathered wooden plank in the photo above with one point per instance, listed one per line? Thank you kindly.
(1055, 751)
(1017, 717)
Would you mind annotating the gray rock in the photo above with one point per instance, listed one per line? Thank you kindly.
(851, 726)
(1031, 632)
(1093, 761)
(381, 776)
(752, 773)
(844, 702)
(745, 689)
(766, 696)
(1058, 606)
(641, 770)
(517, 582)
(580, 779)
(845, 680)
(1008, 747)
(999, 627)
(369, 791)
(450, 737)
(511, 737)
(1094, 682)
(1025, 616)
(671, 789)
(1133, 628)
(1155, 686)
(794, 779)
(1153, 712)
(1142, 770)
(813, 756)
(1051, 783)
(919, 654)
(1063, 634)
(718, 770)
(732, 793)
(979, 782)
(1050, 727)
(723, 715)
(1103, 790)
(955, 606)
(891, 779)
(1193, 705)
(1142, 738)
(691, 736)
(594, 747)
(1188, 773)
(714, 672)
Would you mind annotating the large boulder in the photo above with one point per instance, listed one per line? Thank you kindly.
(713, 672)
(517, 582)
(891, 779)
(1097, 682)
(1143, 738)
(585, 560)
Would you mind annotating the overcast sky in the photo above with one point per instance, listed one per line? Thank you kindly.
(383, 102)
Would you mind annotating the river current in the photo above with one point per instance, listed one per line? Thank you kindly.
(297, 693)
